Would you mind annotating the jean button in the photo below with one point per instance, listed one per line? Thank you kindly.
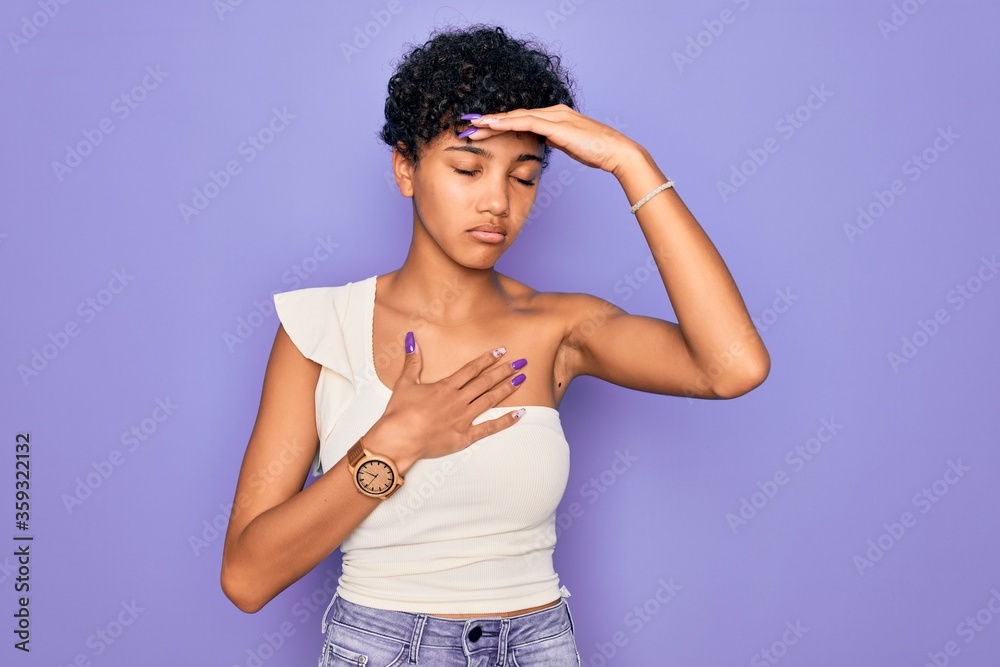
(475, 633)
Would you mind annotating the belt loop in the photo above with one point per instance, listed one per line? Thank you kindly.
(418, 631)
(502, 642)
(327, 612)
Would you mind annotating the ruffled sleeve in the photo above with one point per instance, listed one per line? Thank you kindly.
(313, 318)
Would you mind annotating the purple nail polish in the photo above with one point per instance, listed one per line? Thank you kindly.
(410, 344)
(471, 116)
(466, 133)
(518, 379)
(519, 364)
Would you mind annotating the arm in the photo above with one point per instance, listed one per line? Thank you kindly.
(277, 531)
(714, 351)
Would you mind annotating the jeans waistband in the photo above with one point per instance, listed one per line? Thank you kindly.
(428, 630)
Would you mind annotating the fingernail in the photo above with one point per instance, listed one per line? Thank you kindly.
(411, 344)
(499, 352)
(518, 379)
(517, 414)
(519, 364)
(466, 133)
(470, 116)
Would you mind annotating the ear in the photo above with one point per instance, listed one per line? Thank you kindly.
(403, 172)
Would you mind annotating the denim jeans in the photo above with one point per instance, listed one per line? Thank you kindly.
(362, 636)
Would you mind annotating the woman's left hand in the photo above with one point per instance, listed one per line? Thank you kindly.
(582, 138)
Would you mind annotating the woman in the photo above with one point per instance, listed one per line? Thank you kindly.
(456, 568)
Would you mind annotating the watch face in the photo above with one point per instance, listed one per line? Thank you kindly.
(375, 477)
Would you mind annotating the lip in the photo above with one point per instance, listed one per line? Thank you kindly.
(496, 229)
(488, 236)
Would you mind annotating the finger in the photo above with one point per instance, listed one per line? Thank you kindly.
(559, 110)
(413, 362)
(473, 368)
(498, 390)
(527, 122)
(486, 131)
(483, 132)
(491, 426)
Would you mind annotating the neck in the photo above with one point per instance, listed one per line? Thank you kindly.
(441, 291)
(444, 294)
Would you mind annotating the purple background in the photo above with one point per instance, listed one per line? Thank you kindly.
(831, 305)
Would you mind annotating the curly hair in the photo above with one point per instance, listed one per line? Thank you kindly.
(479, 69)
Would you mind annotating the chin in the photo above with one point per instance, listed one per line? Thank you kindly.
(483, 264)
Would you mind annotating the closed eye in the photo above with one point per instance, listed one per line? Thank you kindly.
(473, 173)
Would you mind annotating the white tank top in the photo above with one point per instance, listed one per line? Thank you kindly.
(470, 532)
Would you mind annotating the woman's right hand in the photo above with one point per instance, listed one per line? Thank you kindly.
(433, 419)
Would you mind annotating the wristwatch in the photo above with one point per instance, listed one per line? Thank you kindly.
(374, 475)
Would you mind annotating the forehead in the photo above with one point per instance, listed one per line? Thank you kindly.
(506, 146)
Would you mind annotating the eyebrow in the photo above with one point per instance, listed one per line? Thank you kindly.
(523, 157)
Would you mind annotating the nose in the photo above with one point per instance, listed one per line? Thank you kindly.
(494, 197)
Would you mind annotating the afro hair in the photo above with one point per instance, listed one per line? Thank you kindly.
(478, 69)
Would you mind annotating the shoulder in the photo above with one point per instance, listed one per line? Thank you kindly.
(314, 319)
(314, 300)
(320, 292)
(577, 312)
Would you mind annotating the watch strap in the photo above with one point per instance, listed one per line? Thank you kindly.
(356, 453)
